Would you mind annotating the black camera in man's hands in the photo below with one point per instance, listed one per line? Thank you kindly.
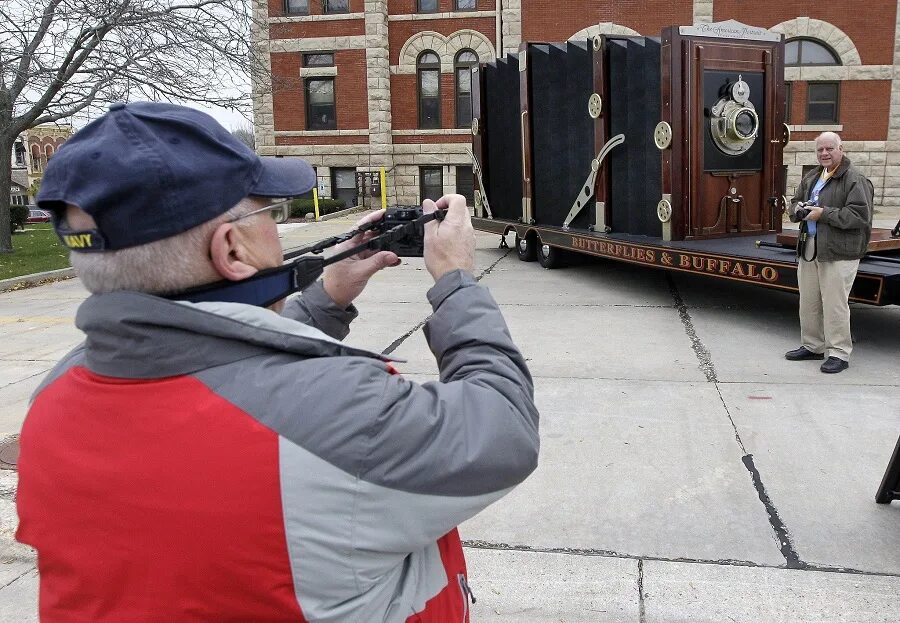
(803, 209)
(408, 239)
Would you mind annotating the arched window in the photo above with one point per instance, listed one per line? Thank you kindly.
(822, 98)
(808, 52)
(37, 164)
(465, 61)
(428, 72)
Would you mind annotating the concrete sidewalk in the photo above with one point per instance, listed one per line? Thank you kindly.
(687, 473)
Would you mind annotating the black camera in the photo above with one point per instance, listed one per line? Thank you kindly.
(803, 210)
(408, 241)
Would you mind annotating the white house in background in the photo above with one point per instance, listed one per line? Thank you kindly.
(31, 152)
(18, 191)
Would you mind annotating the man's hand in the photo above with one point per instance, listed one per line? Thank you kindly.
(815, 213)
(345, 280)
(450, 243)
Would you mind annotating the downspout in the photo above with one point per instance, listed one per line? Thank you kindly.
(499, 37)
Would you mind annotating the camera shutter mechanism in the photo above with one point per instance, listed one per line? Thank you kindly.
(595, 105)
(733, 121)
(597, 42)
(664, 210)
(740, 91)
(662, 135)
(475, 127)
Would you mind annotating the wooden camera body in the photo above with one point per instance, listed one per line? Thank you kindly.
(723, 98)
(679, 137)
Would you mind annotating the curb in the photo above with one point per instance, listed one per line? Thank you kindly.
(36, 279)
(341, 213)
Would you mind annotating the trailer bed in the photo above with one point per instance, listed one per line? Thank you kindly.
(734, 258)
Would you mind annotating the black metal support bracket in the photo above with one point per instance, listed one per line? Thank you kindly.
(890, 484)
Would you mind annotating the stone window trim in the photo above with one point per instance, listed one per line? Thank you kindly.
(817, 127)
(357, 132)
(824, 32)
(431, 132)
(317, 44)
(329, 17)
(462, 14)
(605, 28)
(316, 72)
(833, 73)
(446, 47)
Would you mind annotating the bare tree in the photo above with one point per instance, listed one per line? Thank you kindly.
(61, 58)
(244, 134)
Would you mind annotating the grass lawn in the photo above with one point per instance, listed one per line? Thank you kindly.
(36, 250)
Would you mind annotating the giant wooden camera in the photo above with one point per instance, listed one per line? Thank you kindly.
(678, 137)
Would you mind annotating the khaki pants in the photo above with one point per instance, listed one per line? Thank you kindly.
(824, 310)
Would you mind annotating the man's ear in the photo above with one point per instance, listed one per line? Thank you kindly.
(228, 253)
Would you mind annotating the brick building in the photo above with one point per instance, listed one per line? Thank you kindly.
(364, 84)
(32, 149)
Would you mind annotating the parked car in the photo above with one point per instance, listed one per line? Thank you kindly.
(36, 215)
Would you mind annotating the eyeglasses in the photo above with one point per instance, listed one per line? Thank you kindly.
(280, 212)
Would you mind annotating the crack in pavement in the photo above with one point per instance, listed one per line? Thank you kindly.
(642, 615)
(19, 577)
(699, 348)
(28, 378)
(605, 553)
(396, 343)
(782, 534)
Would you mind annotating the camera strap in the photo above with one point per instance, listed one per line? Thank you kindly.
(804, 240)
(273, 284)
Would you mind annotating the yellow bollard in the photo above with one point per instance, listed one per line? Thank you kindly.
(383, 190)
(316, 201)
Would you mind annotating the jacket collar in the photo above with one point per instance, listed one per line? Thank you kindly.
(134, 335)
(842, 168)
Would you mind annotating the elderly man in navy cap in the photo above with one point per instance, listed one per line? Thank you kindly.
(209, 458)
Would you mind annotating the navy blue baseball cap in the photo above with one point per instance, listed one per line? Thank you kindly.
(148, 170)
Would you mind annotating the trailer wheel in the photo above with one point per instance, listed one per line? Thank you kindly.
(549, 257)
(526, 248)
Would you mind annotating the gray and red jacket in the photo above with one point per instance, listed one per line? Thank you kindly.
(218, 462)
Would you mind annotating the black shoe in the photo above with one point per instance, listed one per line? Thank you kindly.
(833, 365)
(802, 353)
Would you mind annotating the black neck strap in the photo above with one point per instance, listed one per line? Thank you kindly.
(262, 289)
(273, 284)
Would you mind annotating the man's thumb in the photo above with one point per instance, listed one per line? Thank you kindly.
(384, 259)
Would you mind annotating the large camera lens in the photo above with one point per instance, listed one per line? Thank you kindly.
(745, 124)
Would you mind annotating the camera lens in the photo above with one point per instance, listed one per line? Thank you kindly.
(744, 124)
